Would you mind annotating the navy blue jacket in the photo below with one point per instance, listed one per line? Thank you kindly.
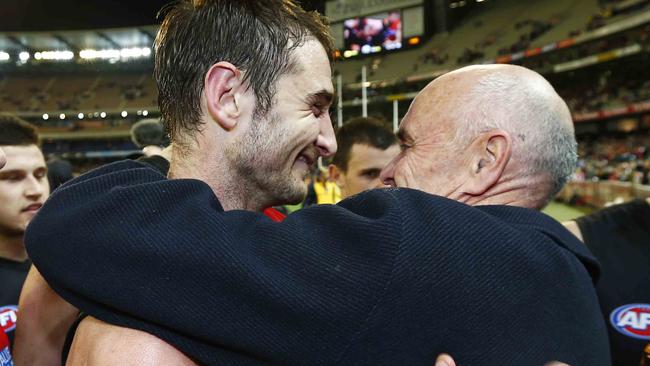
(387, 277)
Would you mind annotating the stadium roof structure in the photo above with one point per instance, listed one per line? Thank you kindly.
(77, 40)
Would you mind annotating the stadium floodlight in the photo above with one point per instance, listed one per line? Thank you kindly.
(46, 116)
(135, 52)
(23, 56)
(54, 55)
(145, 113)
(115, 54)
(80, 116)
(4, 56)
(62, 116)
(103, 114)
(124, 114)
(90, 54)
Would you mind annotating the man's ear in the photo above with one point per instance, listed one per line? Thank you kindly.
(490, 154)
(336, 175)
(221, 83)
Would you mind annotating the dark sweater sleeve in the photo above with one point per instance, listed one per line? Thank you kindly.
(388, 277)
(264, 288)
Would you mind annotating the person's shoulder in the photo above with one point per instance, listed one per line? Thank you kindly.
(626, 210)
(406, 197)
(123, 167)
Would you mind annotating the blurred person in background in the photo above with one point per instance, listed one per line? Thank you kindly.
(59, 171)
(365, 147)
(373, 280)
(5, 352)
(619, 237)
(326, 190)
(149, 135)
(23, 190)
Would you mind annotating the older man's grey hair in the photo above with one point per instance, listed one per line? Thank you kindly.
(527, 107)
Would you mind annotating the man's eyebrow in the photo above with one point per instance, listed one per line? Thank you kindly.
(12, 171)
(322, 95)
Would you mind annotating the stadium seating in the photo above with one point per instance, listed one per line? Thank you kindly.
(84, 93)
(491, 32)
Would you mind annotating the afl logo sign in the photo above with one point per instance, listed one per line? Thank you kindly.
(632, 320)
(8, 316)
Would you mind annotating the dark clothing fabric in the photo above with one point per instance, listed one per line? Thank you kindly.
(619, 236)
(387, 277)
(157, 162)
(12, 277)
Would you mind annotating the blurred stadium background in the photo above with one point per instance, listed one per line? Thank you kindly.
(82, 72)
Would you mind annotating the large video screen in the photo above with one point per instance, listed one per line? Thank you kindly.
(374, 33)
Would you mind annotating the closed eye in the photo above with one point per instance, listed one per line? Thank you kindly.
(371, 173)
(404, 146)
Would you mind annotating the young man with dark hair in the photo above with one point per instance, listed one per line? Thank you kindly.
(365, 147)
(244, 88)
(23, 190)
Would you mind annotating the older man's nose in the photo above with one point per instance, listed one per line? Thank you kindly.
(387, 175)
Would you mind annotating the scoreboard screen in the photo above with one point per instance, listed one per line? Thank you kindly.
(374, 33)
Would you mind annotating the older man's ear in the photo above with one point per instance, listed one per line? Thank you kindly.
(491, 153)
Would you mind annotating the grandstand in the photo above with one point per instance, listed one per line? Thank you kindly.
(84, 89)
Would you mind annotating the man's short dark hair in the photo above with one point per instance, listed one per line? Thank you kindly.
(148, 132)
(365, 131)
(256, 36)
(17, 132)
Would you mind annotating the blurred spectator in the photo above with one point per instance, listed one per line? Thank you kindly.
(365, 147)
(59, 171)
(623, 159)
(23, 190)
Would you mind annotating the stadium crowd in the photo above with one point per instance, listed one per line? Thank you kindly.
(623, 159)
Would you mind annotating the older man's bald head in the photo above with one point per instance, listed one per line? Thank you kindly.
(523, 103)
(510, 112)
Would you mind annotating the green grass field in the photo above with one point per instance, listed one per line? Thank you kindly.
(562, 212)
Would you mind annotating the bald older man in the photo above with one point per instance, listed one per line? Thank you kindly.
(457, 259)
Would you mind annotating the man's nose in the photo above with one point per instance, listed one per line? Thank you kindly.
(387, 175)
(326, 141)
(35, 188)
